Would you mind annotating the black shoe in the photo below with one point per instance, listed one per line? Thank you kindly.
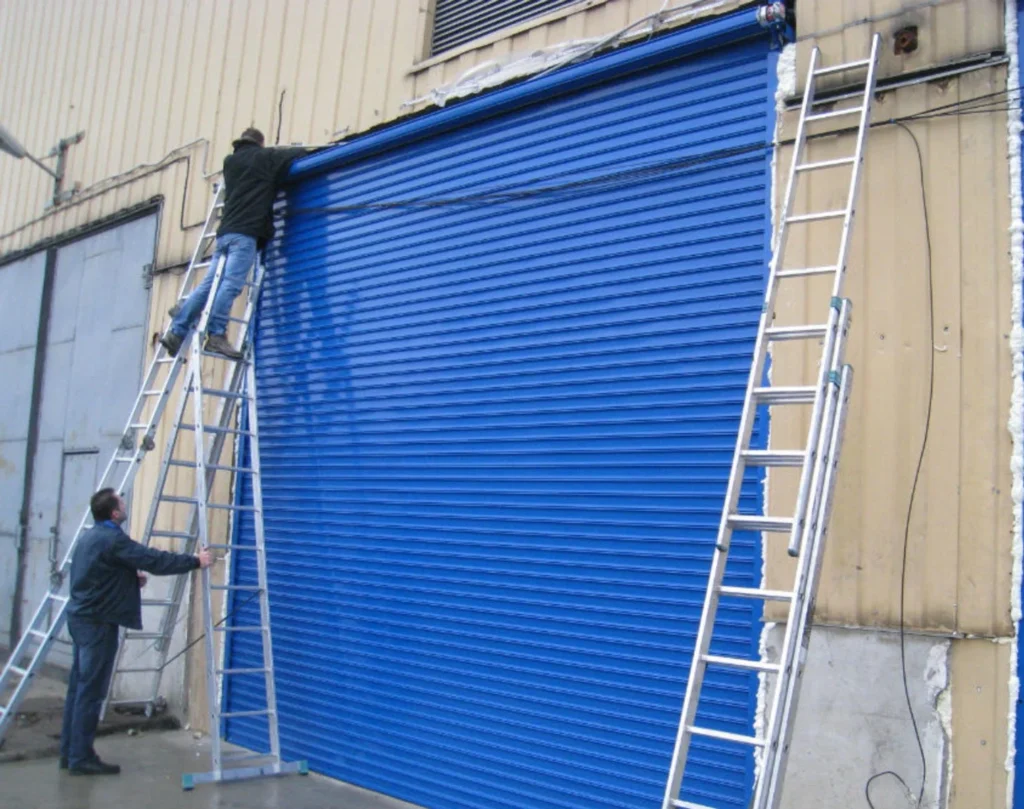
(96, 767)
(63, 763)
(218, 344)
(171, 342)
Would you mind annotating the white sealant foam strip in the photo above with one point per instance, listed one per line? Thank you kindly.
(1016, 417)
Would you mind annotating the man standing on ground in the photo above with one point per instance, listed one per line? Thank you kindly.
(105, 585)
(252, 175)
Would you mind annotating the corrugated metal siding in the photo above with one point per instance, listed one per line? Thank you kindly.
(148, 77)
(495, 442)
(959, 562)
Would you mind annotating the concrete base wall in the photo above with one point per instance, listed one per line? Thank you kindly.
(852, 720)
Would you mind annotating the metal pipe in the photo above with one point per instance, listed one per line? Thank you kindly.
(42, 334)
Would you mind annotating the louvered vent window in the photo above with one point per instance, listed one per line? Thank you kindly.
(459, 21)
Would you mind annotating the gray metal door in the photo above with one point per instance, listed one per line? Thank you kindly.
(21, 289)
(78, 477)
(94, 355)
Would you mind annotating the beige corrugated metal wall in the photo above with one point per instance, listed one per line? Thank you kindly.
(175, 80)
(959, 563)
(959, 555)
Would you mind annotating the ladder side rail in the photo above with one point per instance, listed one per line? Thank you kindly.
(799, 526)
(719, 560)
(776, 776)
(200, 247)
(791, 637)
(56, 623)
(234, 378)
(261, 558)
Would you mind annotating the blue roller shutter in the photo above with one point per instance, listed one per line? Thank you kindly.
(495, 439)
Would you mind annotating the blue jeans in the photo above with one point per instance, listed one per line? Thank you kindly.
(91, 667)
(240, 252)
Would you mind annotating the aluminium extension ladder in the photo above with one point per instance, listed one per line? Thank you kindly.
(238, 388)
(138, 439)
(829, 397)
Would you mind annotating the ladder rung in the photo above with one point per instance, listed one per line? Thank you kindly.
(778, 394)
(120, 703)
(238, 629)
(209, 428)
(225, 394)
(779, 457)
(166, 361)
(137, 426)
(122, 459)
(239, 714)
(827, 71)
(245, 470)
(37, 633)
(185, 464)
(18, 670)
(689, 805)
(238, 320)
(756, 592)
(725, 737)
(802, 272)
(778, 333)
(753, 522)
(157, 602)
(142, 636)
(153, 393)
(235, 757)
(213, 547)
(215, 355)
(226, 507)
(229, 672)
(827, 164)
(244, 587)
(816, 217)
(172, 498)
(822, 116)
(740, 663)
(171, 534)
(147, 670)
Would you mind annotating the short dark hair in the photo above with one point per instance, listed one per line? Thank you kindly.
(103, 504)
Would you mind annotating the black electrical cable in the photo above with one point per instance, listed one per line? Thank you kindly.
(913, 492)
(512, 194)
(280, 117)
(203, 635)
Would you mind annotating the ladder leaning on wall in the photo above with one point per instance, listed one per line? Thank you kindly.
(828, 397)
(233, 403)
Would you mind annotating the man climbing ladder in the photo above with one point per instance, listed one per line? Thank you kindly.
(252, 175)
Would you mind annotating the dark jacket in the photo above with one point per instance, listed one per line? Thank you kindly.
(104, 583)
(252, 175)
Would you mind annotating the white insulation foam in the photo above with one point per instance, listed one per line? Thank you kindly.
(785, 72)
(1016, 421)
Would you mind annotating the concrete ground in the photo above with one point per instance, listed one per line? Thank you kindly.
(152, 763)
(35, 732)
(153, 759)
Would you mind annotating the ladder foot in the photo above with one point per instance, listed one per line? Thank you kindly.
(303, 767)
(187, 783)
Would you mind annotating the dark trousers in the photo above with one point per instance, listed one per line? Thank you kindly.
(95, 650)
